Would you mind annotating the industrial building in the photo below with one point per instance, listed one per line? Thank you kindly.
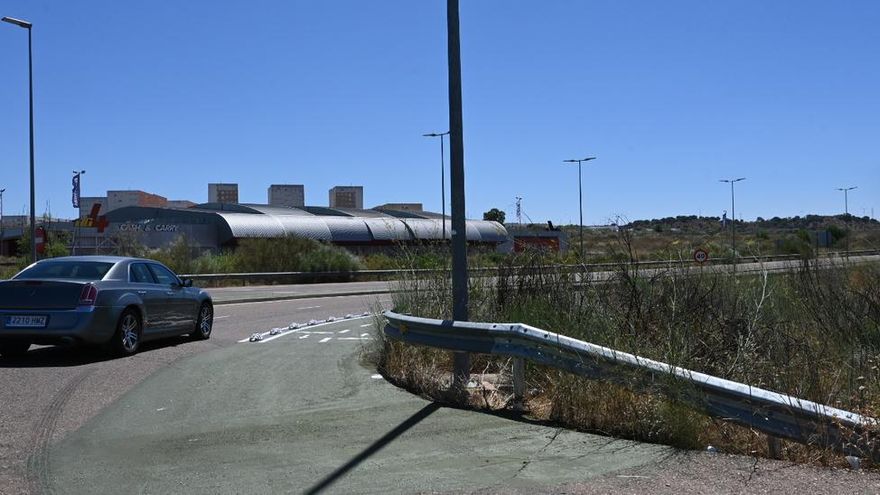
(347, 197)
(215, 226)
(222, 193)
(290, 195)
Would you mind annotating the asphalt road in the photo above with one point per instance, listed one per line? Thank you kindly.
(53, 391)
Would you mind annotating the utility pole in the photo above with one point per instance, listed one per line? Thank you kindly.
(461, 360)
(581, 199)
(2, 243)
(846, 191)
(442, 176)
(733, 214)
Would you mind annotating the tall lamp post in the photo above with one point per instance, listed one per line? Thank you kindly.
(2, 244)
(442, 176)
(581, 198)
(28, 25)
(846, 191)
(733, 213)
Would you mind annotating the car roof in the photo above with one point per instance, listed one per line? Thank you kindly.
(97, 258)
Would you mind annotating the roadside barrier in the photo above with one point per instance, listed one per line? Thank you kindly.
(777, 415)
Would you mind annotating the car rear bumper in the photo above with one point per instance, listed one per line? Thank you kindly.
(91, 324)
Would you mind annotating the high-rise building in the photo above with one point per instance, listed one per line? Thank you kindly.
(223, 193)
(292, 195)
(347, 197)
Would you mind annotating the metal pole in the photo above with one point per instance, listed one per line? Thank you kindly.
(581, 207)
(846, 191)
(2, 243)
(443, 184)
(733, 225)
(462, 360)
(33, 199)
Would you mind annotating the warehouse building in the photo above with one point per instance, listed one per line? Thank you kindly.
(215, 226)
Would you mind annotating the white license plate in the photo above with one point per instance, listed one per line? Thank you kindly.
(25, 321)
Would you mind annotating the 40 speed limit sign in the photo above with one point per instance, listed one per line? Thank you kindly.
(701, 256)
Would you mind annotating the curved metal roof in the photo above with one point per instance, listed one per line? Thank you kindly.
(318, 223)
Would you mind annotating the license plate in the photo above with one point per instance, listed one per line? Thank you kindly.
(25, 321)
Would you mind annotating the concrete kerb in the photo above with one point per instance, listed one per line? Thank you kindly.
(300, 296)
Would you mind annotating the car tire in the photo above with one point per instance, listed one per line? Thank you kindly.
(129, 330)
(14, 348)
(204, 322)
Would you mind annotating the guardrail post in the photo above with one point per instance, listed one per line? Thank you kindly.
(519, 383)
(774, 447)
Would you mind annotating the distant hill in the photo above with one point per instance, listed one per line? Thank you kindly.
(694, 223)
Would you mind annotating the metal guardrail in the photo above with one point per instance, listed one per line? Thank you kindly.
(776, 414)
(366, 275)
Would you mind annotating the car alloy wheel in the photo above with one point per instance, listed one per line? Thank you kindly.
(129, 332)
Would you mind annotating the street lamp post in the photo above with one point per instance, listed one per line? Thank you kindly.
(442, 176)
(846, 191)
(2, 244)
(28, 25)
(581, 198)
(733, 213)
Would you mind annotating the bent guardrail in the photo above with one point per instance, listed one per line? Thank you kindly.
(776, 414)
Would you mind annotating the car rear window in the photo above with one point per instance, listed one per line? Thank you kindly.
(73, 270)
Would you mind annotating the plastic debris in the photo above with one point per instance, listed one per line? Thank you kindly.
(256, 337)
(349, 316)
(331, 319)
(854, 462)
(313, 322)
(712, 450)
(275, 331)
(293, 326)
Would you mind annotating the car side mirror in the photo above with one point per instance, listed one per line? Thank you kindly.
(187, 282)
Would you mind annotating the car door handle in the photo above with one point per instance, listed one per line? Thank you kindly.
(142, 292)
(170, 292)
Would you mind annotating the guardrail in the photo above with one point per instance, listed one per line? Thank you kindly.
(368, 275)
(777, 415)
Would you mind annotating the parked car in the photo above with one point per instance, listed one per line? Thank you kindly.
(117, 301)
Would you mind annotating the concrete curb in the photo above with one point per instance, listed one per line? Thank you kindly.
(300, 296)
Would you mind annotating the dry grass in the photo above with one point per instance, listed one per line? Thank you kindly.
(814, 334)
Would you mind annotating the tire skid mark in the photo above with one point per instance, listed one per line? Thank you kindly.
(38, 460)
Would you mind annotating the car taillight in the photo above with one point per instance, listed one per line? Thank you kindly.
(88, 295)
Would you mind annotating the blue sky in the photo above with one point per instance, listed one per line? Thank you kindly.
(670, 96)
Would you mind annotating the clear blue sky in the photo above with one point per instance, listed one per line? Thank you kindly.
(671, 96)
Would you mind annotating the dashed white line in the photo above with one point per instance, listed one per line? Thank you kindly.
(325, 339)
(344, 331)
(221, 317)
(365, 335)
(353, 338)
(303, 337)
(367, 325)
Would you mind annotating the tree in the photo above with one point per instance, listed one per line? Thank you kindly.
(494, 215)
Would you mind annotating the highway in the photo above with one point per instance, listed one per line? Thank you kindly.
(301, 412)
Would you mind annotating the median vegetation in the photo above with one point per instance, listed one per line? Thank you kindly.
(813, 333)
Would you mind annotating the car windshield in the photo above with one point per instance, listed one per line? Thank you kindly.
(73, 270)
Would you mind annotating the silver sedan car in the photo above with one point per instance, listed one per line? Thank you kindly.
(116, 301)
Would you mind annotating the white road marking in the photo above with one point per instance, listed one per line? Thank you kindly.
(353, 338)
(317, 333)
(367, 325)
(221, 317)
(308, 307)
(303, 337)
(365, 335)
(377, 377)
(344, 331)
(300, 330)
(325, 339)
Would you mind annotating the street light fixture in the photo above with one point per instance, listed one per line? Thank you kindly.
(28, 25)
(581, 198)
(733, 213)
(846, 191)
(442, 176)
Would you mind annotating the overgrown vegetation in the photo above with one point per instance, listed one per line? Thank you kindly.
(813, 333)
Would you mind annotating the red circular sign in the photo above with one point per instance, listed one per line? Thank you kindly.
(701, 256)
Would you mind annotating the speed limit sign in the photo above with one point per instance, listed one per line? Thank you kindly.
(701, 256)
